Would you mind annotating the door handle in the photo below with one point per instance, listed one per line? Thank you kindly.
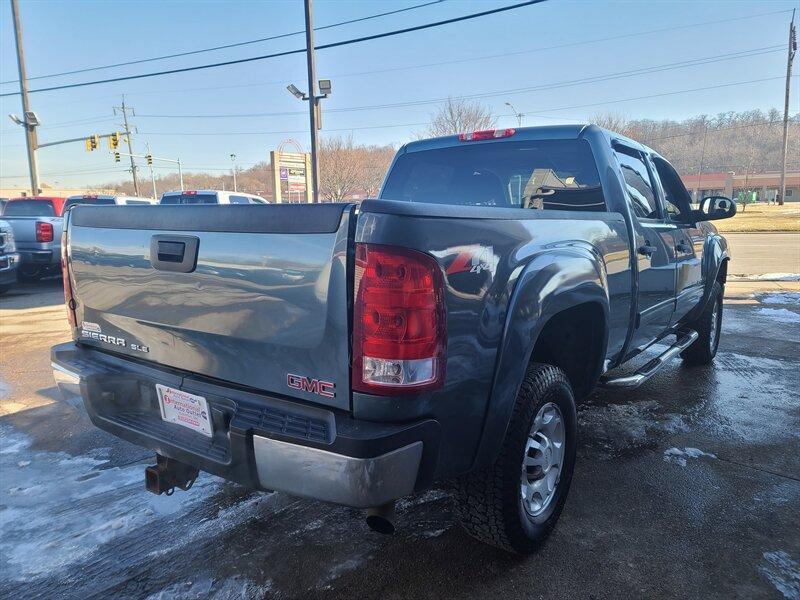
(176, 253)
(682, 246)
(647, 250)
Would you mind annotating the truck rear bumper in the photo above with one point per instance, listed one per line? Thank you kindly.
(260, 441)
(39, 257)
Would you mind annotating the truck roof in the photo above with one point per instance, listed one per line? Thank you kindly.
(544, 132)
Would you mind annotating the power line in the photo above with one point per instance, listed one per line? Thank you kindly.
(540, 87)
(226, 63)
(226, 46)
(532, 112)
(466, 60)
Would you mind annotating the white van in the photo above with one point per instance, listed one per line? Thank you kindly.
(211, 197)
(106, 199)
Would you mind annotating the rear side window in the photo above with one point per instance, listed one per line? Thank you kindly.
(238, 200)
(548, 174)
(189, 199)
(30, 208)
(94, 201)
(638, 184)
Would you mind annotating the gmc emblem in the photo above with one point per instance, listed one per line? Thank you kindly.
(315, 386)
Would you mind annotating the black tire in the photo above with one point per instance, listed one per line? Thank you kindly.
(488, 503)
(709, 327)
(29, 274)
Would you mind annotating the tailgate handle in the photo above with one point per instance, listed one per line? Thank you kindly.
(177, 253)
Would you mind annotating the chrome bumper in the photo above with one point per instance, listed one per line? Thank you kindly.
(323, 475)
(68, 383)
(307, 471)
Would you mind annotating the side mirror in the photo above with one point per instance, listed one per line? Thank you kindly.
(713, 208)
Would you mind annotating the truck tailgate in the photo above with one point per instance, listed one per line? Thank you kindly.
(253, 295)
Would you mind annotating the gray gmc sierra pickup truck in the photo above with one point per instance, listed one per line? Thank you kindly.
(360, 353)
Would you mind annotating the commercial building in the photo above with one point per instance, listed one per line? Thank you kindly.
(765, 185)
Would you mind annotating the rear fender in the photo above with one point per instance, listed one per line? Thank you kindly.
(547, 285)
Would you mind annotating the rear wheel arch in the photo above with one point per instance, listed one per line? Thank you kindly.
(543, 292)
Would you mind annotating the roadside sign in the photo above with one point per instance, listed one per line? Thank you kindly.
(291, 172)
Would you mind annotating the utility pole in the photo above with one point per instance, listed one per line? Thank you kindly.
(313, 101)
(789, 60)
(29, 120)
(124, 110)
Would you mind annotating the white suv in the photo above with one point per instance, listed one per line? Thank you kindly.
(211, 197)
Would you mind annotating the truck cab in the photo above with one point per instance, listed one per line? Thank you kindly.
(356, 354)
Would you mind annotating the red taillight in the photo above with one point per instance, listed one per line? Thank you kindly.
(486, 134)
(399, 338)
(44, 231)
(69, 300)
(190, 193)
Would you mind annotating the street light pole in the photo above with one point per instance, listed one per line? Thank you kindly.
(233, 160)
(313, 101)
(30, 128)
(517, 114)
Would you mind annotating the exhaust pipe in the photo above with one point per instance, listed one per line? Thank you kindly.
(382, 518)
(167, 474)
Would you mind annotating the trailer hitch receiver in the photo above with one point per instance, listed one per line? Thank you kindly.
(168, 474)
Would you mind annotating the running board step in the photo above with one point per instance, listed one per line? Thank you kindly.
(685, 339)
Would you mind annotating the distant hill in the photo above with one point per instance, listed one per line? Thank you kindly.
(743, 142)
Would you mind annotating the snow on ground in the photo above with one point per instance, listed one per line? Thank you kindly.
(679, 456)
(767, 277)
(780, 298)
(57, 509)
(784, 315)
(782, 572)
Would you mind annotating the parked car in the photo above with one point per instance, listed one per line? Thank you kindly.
(211, 197)
(9, 259)
(52, 204)
(443, 332)
(107, 199)
(36, 222)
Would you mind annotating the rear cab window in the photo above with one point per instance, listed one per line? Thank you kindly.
(200, 198)
(538, 174)
(30, 208)
(93, 200)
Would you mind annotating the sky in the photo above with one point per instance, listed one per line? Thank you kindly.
(515, 56)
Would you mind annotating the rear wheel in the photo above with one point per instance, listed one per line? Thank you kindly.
(708, 326)
(515, 503)
(29, 273)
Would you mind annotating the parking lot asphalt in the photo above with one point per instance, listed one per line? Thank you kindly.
(686, 487)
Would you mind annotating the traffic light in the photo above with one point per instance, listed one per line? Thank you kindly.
(116, 157)
(149, 158)
(92, 142)
(113, 140)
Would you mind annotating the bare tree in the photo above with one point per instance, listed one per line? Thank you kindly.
(347, 168)
(457, 116)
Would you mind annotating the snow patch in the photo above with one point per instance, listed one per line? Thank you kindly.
(678, 456)
(782, 298)
(782, 572)
(784, 315)
(768, 277)
(207, 587)
(60, 509)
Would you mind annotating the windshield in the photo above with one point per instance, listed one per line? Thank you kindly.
(30, 208)
(189, 199)
(549, 174)
(81, 200)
